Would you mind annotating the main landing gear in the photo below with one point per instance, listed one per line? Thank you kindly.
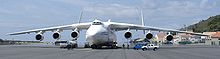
(96, 46)
(104, 47)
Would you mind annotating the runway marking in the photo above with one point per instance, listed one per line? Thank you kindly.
(84, 49)
(56, 53)
(124, 53)
(189, 54)
(89, 54)
(143, 55)
(108, 55)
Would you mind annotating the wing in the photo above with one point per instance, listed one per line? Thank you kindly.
(64, 27)
(125, 26)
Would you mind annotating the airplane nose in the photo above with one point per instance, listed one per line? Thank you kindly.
(93, 33)
(96, 32)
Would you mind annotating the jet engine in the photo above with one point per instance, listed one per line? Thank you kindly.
(169, 38)
(75, 34)
(149, 36)
(39, 37)
(128, 34)
(56, 35)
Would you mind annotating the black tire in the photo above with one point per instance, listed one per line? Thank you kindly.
(155, 49)
(114, 47)
(75, 46)
(135, 49)
(68, 47)
(86, 46)
(98, 47)
(93, 46)
(144, 49)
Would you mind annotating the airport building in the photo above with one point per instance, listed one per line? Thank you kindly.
(15, 42)
(214, 38)
(160, 38)
(182, 38)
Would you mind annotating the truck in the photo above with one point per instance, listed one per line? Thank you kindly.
(67, 44)
(150, 46)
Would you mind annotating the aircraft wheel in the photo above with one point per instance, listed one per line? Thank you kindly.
(94, 46)
(98, 47)
(113, 46)
(86, 46)
(69, 46)
(75, 46)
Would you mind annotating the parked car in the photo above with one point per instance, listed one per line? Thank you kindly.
(67, 44)
(149, 46)
(137, 46)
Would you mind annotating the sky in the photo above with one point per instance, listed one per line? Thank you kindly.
(20, 15)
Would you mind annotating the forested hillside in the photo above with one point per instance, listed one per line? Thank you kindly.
(211, 24)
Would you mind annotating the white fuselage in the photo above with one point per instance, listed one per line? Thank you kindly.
(100, 35)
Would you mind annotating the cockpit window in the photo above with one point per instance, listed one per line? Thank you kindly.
(96, 23)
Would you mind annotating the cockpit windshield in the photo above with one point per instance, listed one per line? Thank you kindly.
(96, 23)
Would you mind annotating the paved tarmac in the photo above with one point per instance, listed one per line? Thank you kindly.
(26, 52)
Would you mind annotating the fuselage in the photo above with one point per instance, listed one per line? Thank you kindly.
(100, 34)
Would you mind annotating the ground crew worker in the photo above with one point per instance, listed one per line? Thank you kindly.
(123, 45)
(128, 46)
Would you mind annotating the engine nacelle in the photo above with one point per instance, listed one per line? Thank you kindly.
(56, 35)
(75, 34)
(149, 36)
(39, 37)
(169, 38)
(128, 34)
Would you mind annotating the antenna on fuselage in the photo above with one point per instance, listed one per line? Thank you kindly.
(109, 20)
(142, 19)
(80, 17)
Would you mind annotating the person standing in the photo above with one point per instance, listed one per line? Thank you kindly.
(123, 46)
(127, 46)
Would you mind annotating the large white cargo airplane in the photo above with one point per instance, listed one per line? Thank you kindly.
(99, 33)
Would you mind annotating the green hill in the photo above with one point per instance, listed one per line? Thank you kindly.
(211, 24)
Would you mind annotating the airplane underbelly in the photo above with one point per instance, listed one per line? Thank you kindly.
(101, 39)
(99, 35)
(98, 39)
